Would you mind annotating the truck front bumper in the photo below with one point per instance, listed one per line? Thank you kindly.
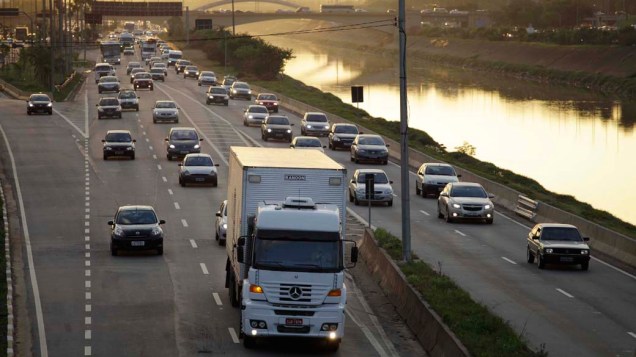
(322, 322)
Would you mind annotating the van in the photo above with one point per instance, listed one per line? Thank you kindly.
(173, 56)
(103, 69)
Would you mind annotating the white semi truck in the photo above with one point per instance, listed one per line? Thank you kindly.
(285, 244)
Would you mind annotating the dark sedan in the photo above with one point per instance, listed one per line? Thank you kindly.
(369, 148)
(342, 135)
(136, 228)
(119, 143)
(39, 103)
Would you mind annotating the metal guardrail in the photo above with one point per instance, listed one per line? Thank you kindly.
(526, 207)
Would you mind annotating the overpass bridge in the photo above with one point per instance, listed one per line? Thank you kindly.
(214, 4)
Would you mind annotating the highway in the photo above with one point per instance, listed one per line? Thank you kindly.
(176, 305)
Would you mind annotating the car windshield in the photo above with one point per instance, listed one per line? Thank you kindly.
(127, 217)
(165, 105)
(159, 65)
(127, 95)
(183, 135)
(136, 70)
(199, 161)
(371, 140)
(468, 191)
(134, 65)
(561, 233)
(278, 121)
(241, 85)
(108, 102)
(118, 137)
(102, 69)
(108, 80)
(228, 81)
(40, 98)
(207, 74)
(440, 170)
(267, 97)
(379, 177)
(142, 76)
(318, 118)
(191, 68)
(184, 63)
(174, 55)
(157, 70)
(346, 129)
(308, 143)
(258, 110)
(218, 90)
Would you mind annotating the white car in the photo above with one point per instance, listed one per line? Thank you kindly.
(221, 223)
(465, 201)
(307, 142)
(382, 189)
(314, 123)
(162, 66)
(207, 78)
(165, 110)
(198, 168)
(433, 177)
(255, 115)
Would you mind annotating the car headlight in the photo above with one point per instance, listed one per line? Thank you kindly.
(156, 231)
(118, 231)
(100, 109)
(30, 104)
(335, 138)
(226, 97)
(585, 252)
(197, 146)
(250, 117)
(49, 105)
(457, 205)
(360, 189)
(288, 131)
(249, 92)
(487, 206)
(269, 130)
(172, 146)
(308, 126)
(186, 172)
(130, 148)
(224, 225)
(275, 103)
(362, 151)
(108, 148)
(549, 250)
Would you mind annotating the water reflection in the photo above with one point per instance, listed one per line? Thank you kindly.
(572, 141)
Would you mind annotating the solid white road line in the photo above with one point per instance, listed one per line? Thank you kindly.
(233, 334)
(632, 334)
(27, 240)
(565, 293)
(424, 213)
(508, 260)
(204, 269)
(193, 243)
(217, 299)
(460, 233)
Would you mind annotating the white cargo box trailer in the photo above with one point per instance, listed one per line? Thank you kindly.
(273, 174)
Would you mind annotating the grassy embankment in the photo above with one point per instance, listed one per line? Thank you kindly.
(483, 333)
(24, 80)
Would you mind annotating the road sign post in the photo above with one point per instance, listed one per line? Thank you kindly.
(369, 188)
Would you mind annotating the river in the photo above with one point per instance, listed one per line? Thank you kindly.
(571, 141)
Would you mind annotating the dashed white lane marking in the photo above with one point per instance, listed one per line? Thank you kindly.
(150, 147)
(87, 351)
(193, 243)
(460, 233)
(508, 260)
(143, 133)
(632, 334)
(87, 284)
(154, 156)
(176, 205)
(87, 272)
(170, 192)
(87, 263)
(88, 295)
(141, 126)
(565, 293)
(424, 213)
(158, 167)
(204, 269)
(233, 334)
(217, 299)
(147, 140)
(87, 334)
(88, 320)
(164, 179)
(88, 308)
(184, 222)
(87, 238)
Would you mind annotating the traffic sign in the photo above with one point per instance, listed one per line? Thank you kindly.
(9, 11)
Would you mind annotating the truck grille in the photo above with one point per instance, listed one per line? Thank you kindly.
(285, 329)
(295, 294)
(293, 313)
(567, 251)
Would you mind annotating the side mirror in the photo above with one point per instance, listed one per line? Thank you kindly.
(240, 254)
(27, 100)
(391, 182)
(218, 213)
(387, 145)
(179, 164)
(134, 140)
(292, 124)
(110, 223)
(490, 195)
(324, 146)
(586, 239)
(216, 165)
(166, 139)
(240, 242)
(103, 140)
(459, 175)
(361, 132)
(291, 145)
(97, 105)
(161, 221)
(201, 139)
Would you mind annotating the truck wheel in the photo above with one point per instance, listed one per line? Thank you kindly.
(585, 266)
(529, 255)
(232, 291)
(249, 342)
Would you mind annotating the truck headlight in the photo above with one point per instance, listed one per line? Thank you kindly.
(549, 250)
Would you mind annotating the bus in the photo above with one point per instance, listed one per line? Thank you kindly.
(337, 9)
(129, 26)
(110, 52)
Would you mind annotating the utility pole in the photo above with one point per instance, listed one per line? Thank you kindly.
(233, 23)
(51, 47)
(187, 25)
(404, 139)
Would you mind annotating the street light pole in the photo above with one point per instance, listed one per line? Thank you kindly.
(404, 142)
(233, 23)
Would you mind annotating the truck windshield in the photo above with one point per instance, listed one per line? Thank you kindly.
(296, 253)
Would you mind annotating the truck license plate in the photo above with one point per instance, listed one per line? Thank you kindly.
(136, 243)
(293, 322)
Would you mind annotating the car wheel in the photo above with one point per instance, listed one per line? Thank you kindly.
(160, 251)
(489, 221)
(154, 121)
(28, 112)
(350, 197)
(448, 216)
(275, 110)
(137, 108)
(356, 201)
(182, 183)
(390, 203)
(99, 91)
(199, 84)
(529, 255)
(50, 112)
(417, 190)
(585, 266)
(351, 158)
(207, 102)
(132, 156)
(540, 262)
(439, 213)
(105, 157)
(184, 76)
(113, 251)
(99, 117)
(263, 137)
(215, 184)
(226, 103)
(245, 123)
(289, 140)
(119, 116)
(356, 160)
(152, 88)
(386, 162)
(169, 157)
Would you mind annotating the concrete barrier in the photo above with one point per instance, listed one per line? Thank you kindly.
(606, 241)
(13, 91)
(434, 336)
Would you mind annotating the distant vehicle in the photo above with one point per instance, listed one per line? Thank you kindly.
(240, 90)
(126, 40)
(331, 8)
(39, 103)
(433, 177)
(554, 243)
(161, 65)
(278, 127)
(108, 107)
(110, 52)
(158, 74)
(198, 168)
(180, 65)
(165, 110)
(129, 51)
(342, 135)
(465, 200)
(128, 99)
(143, 80)
(307, 142)
(303, 9)
(370, 148)
(148, 48)
(136, 228)
(191, 72)
(314, 123)
(270, 101)
(182, 141)
(21, 33)
(119, 143)
(108, 84)
(254, 114)
(135, 71)
(132, 65)
(359, 10)
(129, 26)
(206, 78)
(103, 69)
(227, 82)
(217, 95)
(151, 60)
(382, 190)
(220, 223)
(173, 56)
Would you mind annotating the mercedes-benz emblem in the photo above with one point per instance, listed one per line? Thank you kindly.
(295, 292)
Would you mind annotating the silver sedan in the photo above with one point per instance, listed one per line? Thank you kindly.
(467, 201)
(165, 110)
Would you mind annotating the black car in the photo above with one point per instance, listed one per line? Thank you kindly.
(136, 228)
(276, 127)
(39, 103)
(108, 107)
(180, 65)
(182, 141)
(341, 135)
(370, 148)
(217, 95)
(143, 80)
(191, 71)
(555, 243)
(119, 143)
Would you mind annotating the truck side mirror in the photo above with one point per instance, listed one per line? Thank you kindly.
(240, 242)
(354, 254)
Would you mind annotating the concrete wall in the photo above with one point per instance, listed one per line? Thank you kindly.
(434, 336)
(603, 240)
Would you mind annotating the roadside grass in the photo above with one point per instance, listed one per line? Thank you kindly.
(60, 95)
(421, 141)
(3, 291)
(482, 332)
